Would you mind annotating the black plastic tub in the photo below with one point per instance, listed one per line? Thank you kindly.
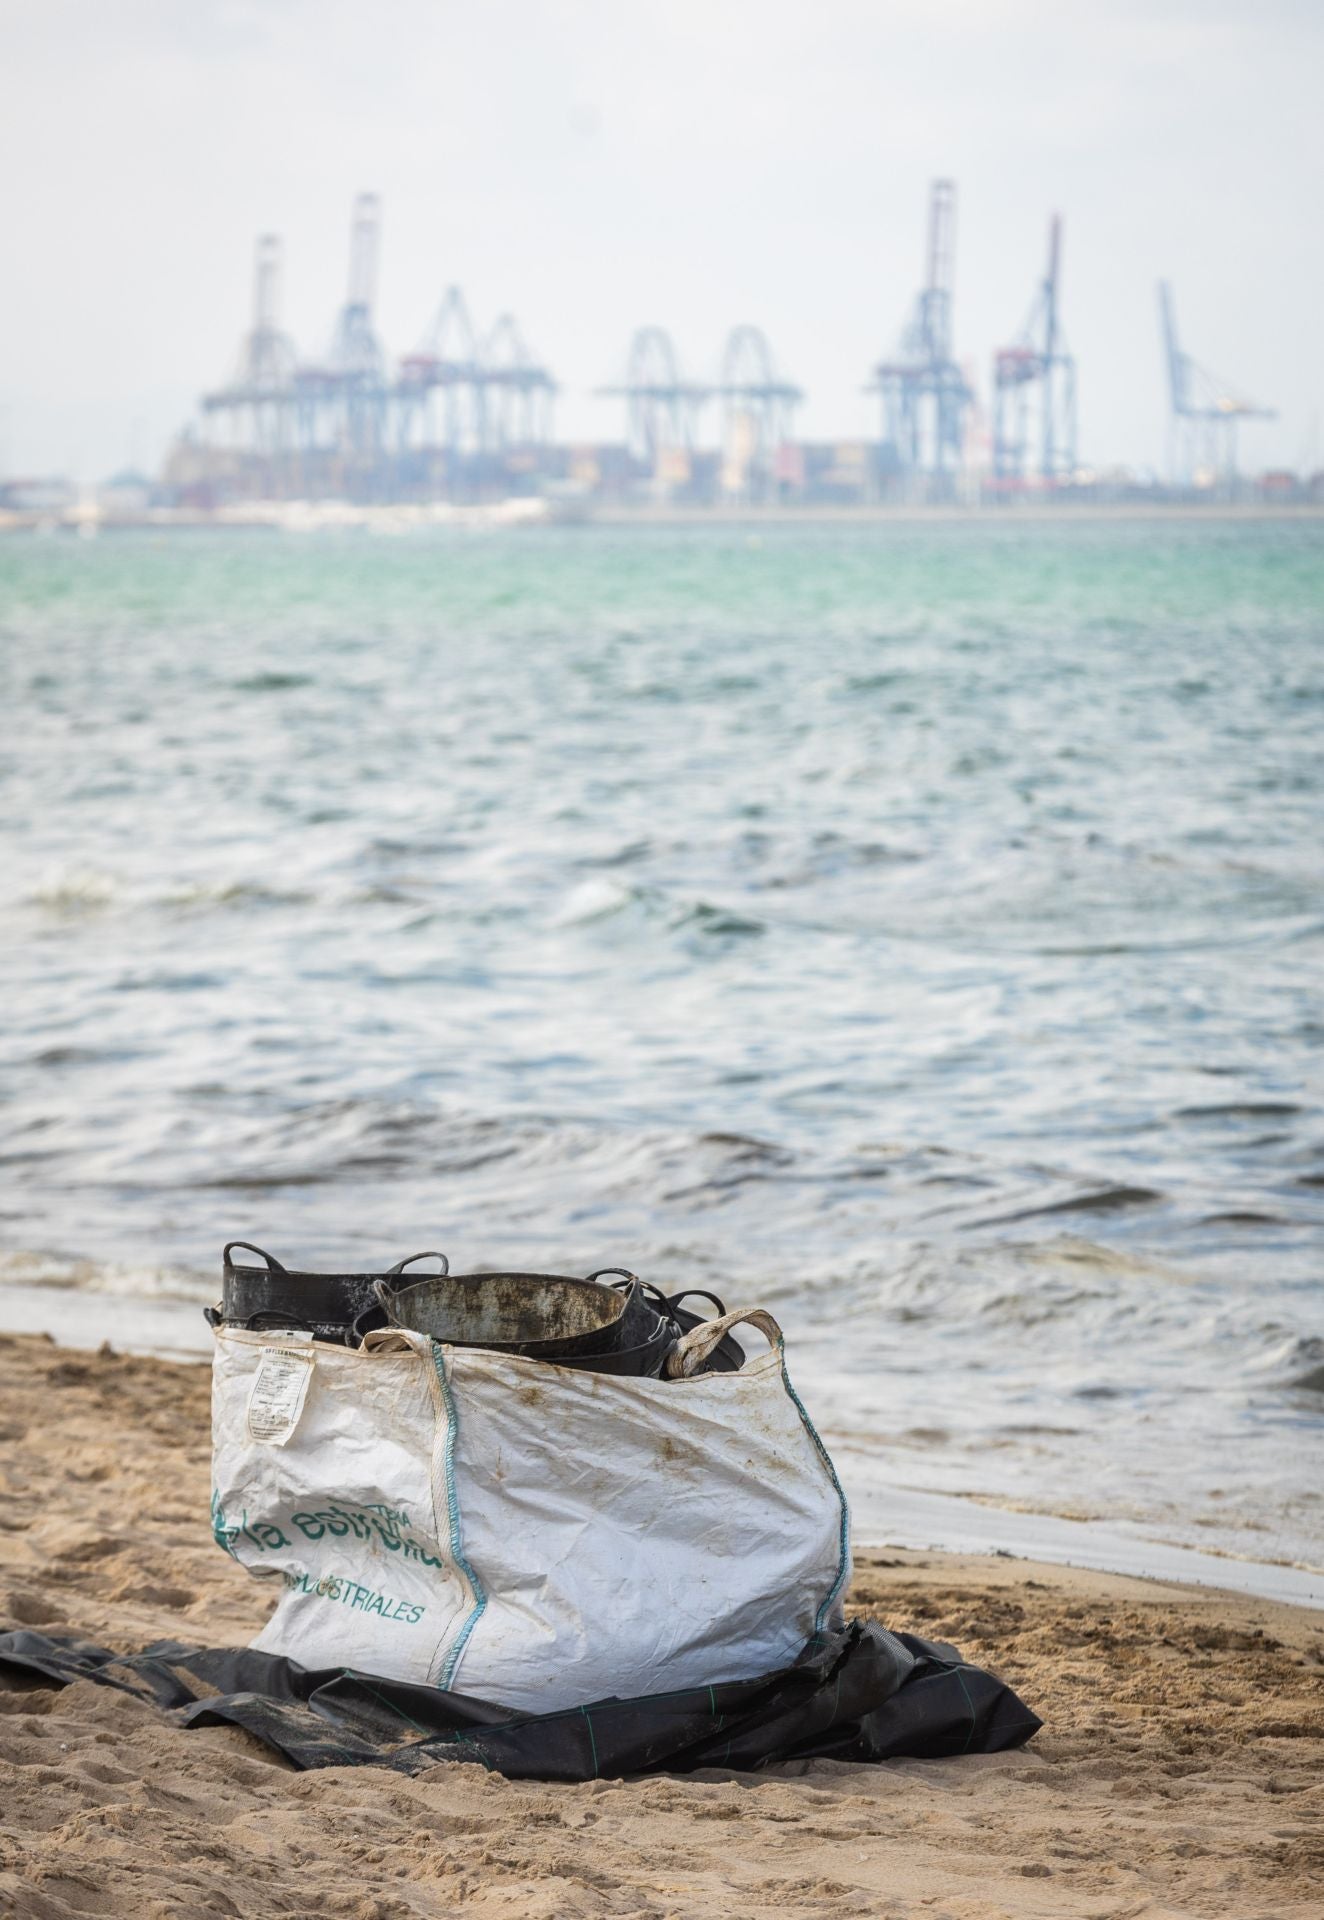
(270, 1297)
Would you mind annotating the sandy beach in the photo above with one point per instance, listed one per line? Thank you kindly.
(1180, 1771)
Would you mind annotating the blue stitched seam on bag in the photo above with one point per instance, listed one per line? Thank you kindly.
(453, 1517)
(844, 1536)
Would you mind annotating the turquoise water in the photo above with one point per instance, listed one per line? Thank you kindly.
(916, 928)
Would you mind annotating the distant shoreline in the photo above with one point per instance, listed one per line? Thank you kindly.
(304, 517)
(1037, 515)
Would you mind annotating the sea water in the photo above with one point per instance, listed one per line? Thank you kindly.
(915, 928)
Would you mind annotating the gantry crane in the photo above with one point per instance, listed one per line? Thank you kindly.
(925, 395)
(1205, 410)
(1034, 386)
(758, 406)
(662, 407)
(255, 403)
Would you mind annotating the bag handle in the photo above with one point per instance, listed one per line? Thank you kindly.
(246, 1246)
(431, 1254)
(694, 1347)
(394, 1340)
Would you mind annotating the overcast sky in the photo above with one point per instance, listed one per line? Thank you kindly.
(594, 164)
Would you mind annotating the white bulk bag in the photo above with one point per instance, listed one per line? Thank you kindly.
(528, 1534)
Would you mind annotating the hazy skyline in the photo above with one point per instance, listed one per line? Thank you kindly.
(591, 167)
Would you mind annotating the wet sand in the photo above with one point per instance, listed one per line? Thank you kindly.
(1180, 1772)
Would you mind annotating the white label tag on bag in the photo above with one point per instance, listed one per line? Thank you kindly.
(278, 1393)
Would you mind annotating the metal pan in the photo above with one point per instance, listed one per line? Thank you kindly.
(543, 1316)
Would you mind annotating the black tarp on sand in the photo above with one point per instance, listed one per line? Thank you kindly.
(863, 1693)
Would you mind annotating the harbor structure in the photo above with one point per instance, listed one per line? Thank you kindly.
(926, 398)
(465, 415)
(1034, 391)
(665, 409)
(468, 413)
(1206, 412)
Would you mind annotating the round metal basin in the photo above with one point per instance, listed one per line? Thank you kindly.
(544, 1316)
